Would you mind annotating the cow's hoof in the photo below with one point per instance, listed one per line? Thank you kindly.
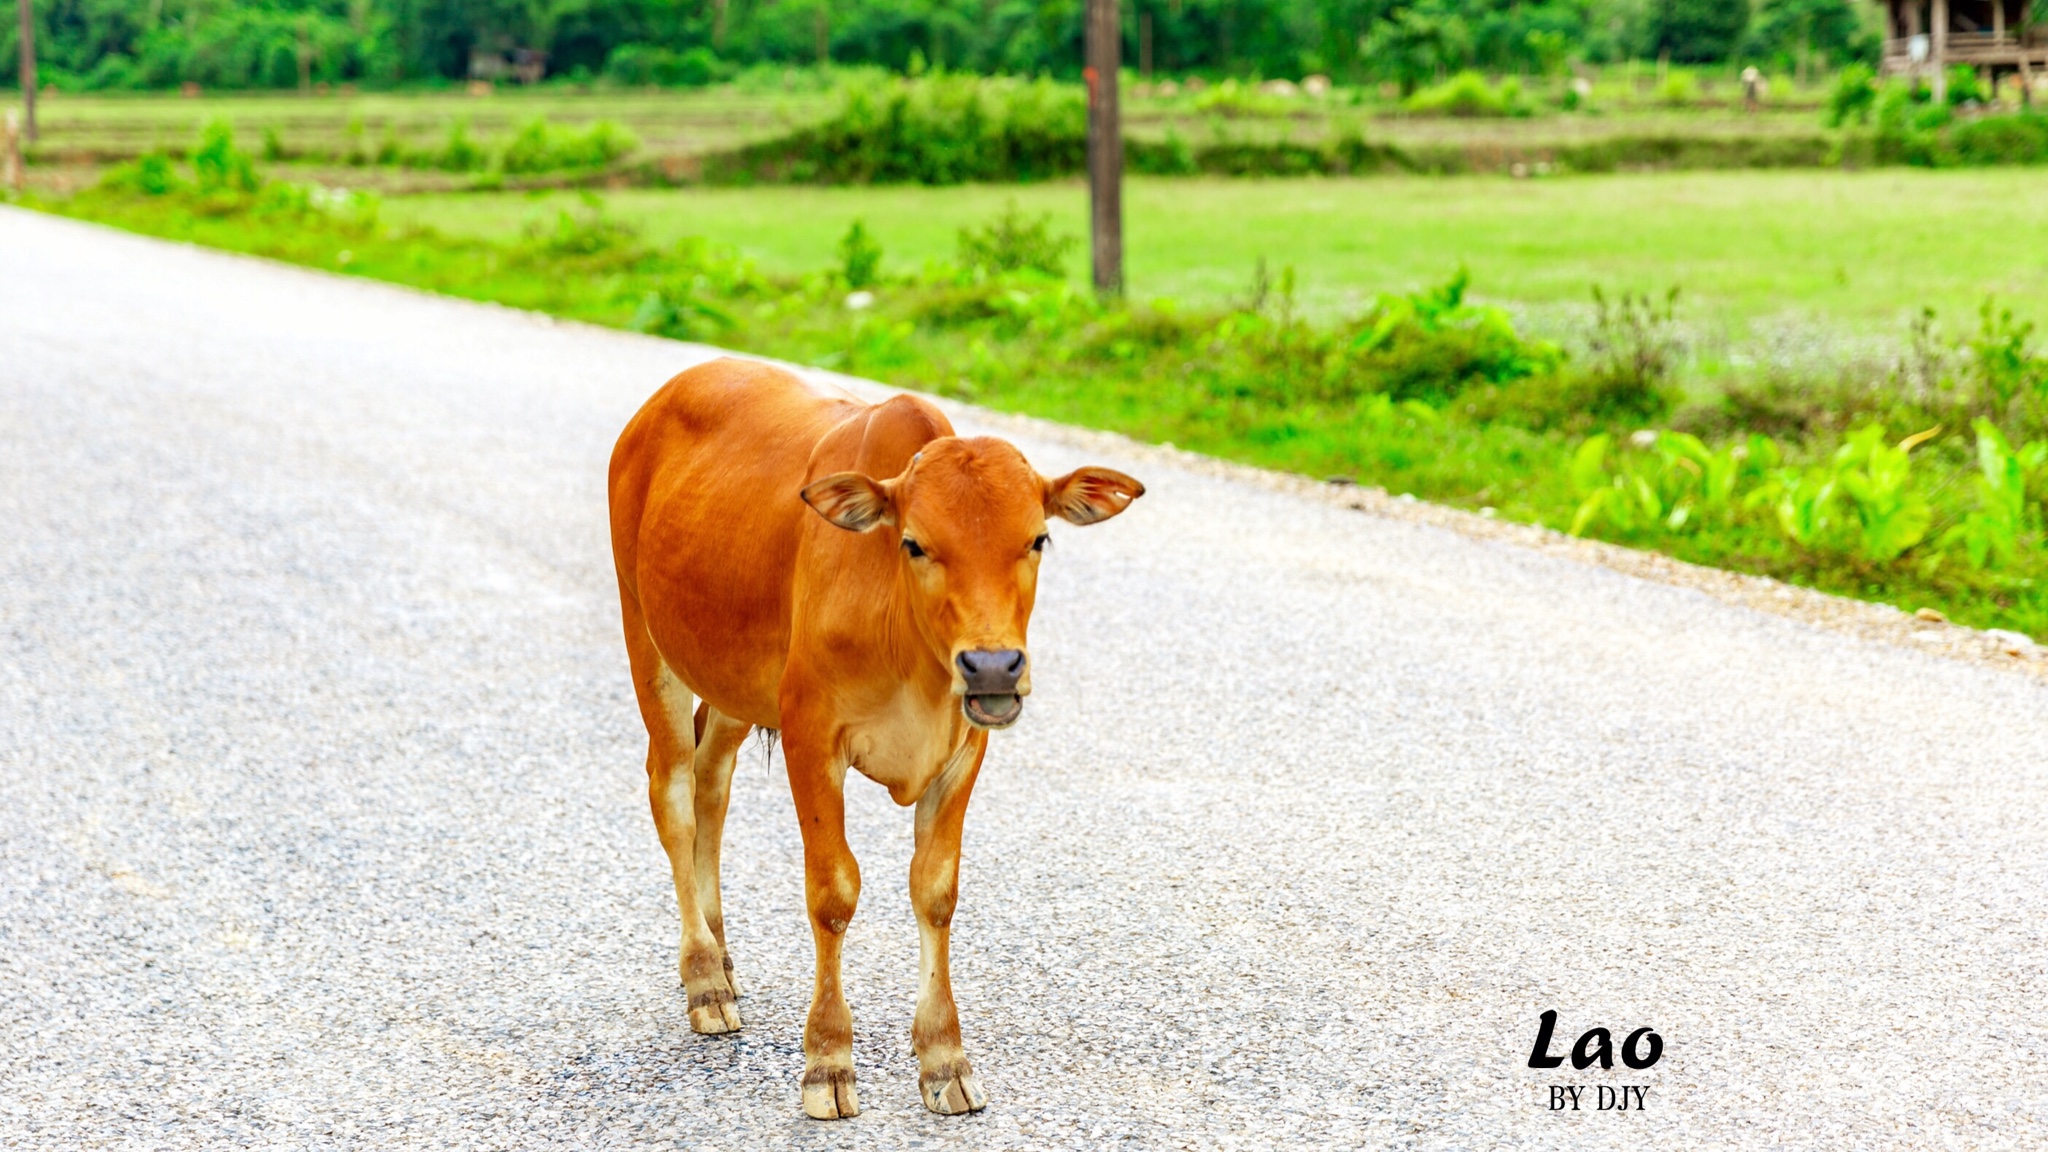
(952, 1090)
(828, 1092)
(730, 982)
(713, 1013)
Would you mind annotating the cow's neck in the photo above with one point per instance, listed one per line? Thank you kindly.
(903, 724)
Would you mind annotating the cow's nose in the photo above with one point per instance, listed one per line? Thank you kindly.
(991, 671)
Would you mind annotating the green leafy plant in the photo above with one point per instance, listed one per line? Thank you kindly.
(539, 146)
(1853, 97)
(1991, 533)
(1878, 478)
(1468, 94)
(458, 152)
(219, 166)
(1633, 353)
(589, 232)
(151, 174)
(860, 258)
(1014, 243)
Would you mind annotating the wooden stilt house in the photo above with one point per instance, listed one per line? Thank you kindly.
(1928, 37)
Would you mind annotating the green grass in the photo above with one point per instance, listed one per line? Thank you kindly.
(121, 124)
(1840, 250)
(672, 121)
(1261, 385)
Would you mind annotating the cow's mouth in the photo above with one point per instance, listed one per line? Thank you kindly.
(994, 710)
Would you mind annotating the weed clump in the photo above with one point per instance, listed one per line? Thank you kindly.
(1014, 243)
(1468, 94)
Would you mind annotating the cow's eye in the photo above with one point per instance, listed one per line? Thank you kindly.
(1039, 544)
(915, 550)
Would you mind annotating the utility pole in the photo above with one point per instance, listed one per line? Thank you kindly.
(1105, 147)
(28, 69)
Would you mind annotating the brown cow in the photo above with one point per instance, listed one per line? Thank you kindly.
(882, 629)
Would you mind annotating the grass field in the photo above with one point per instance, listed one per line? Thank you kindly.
(1756, 255)
(109, 126)
(112, 126)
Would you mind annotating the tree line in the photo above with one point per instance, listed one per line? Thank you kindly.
(114, 44)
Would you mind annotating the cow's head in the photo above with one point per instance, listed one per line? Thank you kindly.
(970, 518)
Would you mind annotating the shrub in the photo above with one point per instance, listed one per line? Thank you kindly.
(150, 174)
(1432, 345)
(860, 258)
(648, 64)
(1468, 94)
(2020, 138)
(539, 146)
(458, 153)
(942, 130)
(591, 232)
(1964, 87)
(1633, 355)
(1853, 96)
(1012, 243)
(218, 165)
(1679, 90)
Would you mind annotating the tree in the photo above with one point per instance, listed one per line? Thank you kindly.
(1697, 30)
(1417, 44)
(1795, 31)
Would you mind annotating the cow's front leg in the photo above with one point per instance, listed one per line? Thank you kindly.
(944, 1076)
(831, 890)
(718, 743)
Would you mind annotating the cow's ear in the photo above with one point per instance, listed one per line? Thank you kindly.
(851, 501)
(1087, 495)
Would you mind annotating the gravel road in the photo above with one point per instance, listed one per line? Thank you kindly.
(323, 822)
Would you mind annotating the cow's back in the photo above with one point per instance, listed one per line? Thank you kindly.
(708, 520)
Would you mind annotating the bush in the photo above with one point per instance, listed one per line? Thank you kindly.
(539, 146)
(218, 165)
(1432, 345)
(860, 258)
(943, 130)
(1964, 87)
(1468, 94)
(458, 153)
(1011, 243)
(639, 64)
(591, 232)
(1853, 96)
(1679, 90)
(150, 174)
(2021, 138)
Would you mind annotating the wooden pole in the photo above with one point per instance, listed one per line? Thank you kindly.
(823, 30)
(28, 69)
(1145, 46)
(2020, 35)
(1105, 146)
(1940, 50)
(10, 150)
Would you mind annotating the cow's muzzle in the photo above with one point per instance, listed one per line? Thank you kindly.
(991, 677)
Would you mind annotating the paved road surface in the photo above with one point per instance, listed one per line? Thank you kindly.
(322, 819)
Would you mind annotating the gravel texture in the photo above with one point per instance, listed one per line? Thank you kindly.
(322, 817)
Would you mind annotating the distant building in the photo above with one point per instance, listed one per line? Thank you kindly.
(1927, 37)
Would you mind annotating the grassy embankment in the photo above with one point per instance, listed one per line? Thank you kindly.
(1421, 393)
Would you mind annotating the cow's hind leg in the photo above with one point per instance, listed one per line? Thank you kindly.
(945, 1079)
(718, 744)
(666, 707)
